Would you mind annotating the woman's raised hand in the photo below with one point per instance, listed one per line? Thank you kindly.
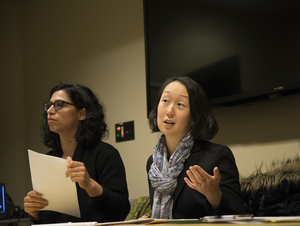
(206, 184)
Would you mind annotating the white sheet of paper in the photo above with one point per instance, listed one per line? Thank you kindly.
(48, 178)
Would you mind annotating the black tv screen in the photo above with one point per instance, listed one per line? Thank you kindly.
(238, 51)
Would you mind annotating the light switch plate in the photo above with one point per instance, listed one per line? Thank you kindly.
(124, 131)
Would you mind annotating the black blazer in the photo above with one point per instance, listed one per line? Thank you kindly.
(189, 203)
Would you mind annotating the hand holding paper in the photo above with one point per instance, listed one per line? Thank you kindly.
(33, 203)
(49, 179)
(78, 173)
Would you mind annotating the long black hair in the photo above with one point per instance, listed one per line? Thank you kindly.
(205, 126)
(90, 130)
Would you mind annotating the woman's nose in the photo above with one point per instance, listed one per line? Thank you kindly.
(170, 111)
(51, 109)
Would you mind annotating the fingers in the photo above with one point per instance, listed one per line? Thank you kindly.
(34, 194)
(197, 174)
(34, 206)
(202, 173)
(143, 217)
(34, 202)
(69, 159)
(76, 171)
(217, 174)
(206, 184)
(76, 175)
(195, 179)
(198, 177)
(74, 168)
(189, 183)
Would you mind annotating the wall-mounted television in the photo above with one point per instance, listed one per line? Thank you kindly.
(238, 51)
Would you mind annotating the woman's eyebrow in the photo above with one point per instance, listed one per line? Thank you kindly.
(183, 95)
(57, 100)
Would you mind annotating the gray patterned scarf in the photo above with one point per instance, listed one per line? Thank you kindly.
(163, 174)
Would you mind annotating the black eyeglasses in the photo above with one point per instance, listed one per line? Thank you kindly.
(57, 104)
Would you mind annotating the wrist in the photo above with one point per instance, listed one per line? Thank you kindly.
(94, 189)
(215, 200)
(34, 216)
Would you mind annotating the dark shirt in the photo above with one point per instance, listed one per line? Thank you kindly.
(104, 164)
(189, 203)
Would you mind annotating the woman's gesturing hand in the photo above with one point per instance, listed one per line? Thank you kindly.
(33, 203)
(206, 184)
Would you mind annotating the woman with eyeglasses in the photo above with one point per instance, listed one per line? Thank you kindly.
(73, 127)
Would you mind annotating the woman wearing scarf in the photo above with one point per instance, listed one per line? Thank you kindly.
(189, 177)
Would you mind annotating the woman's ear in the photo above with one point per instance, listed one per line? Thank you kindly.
(82, 114)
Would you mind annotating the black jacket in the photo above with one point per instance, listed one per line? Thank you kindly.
(104, 164)
(189, 203)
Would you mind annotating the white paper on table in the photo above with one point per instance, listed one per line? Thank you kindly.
(49, 178)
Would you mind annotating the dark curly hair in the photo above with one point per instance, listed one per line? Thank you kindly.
(205, 126)
(90, 130)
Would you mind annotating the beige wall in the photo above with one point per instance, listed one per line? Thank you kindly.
(261, 132)
(100, 44)
(12, 101)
